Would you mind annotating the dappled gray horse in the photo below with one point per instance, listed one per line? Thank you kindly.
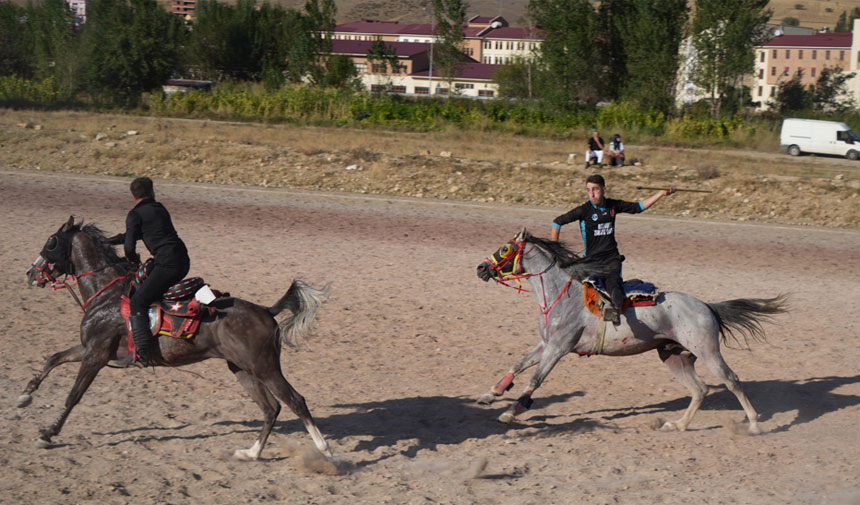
(680, 327)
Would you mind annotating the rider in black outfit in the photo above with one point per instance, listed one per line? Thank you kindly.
(597, 224)
(149, 221)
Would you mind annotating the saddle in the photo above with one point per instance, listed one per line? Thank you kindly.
(179, 312)
(637, 293)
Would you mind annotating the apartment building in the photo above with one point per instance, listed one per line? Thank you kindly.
(485, 39)
(412, 75)
(184, 8)
(786, 56)
(79, 9)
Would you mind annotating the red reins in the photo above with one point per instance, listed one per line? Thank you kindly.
(64, 284)
(517, 258)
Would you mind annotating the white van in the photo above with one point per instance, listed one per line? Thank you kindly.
(820, 137)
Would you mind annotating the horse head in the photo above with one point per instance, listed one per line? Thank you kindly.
(506, 261)
(56, 256)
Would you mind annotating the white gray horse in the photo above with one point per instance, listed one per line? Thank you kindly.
(682, 328)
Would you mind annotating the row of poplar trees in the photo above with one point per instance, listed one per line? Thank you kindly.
(631, 50)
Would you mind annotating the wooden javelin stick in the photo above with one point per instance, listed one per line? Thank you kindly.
(678, 189)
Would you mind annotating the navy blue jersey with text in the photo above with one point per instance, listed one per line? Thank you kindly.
(597, 224)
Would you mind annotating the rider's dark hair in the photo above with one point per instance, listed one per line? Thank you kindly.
(596, 179)
(142, 188)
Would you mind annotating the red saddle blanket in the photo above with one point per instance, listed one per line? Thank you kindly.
(592, 300)
(173, 318)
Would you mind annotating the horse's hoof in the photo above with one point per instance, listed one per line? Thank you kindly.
(669, 426)
(41, 443)
(244, 455)
(506, 417)
(486, 399)
(754, 429)
(24, 400)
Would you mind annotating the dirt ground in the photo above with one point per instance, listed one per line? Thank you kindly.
(408, 340)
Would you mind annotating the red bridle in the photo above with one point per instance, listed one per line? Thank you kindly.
(516, 274)
(71, 280)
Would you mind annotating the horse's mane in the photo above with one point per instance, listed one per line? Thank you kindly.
(104, 246)
(579, 267)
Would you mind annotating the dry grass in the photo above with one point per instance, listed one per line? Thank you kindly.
(484, 166)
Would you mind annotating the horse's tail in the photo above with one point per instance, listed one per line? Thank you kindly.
(304, 302)
(745, 315)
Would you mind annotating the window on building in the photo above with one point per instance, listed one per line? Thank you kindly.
(398, 89)
(799, 72)
(772, 90)
(788, 53)
(772, 70)
(785, 72)
(841, 55)
(441, 91)
(422, 90)
(401, 69)
(827, 55)
(814, 54)
(361, 68)
(800, 54)
(486, 92)
(761, 56)
(379, 68)
(774, 53)
(858, 56)
(761, 73)
(812, 72)
(759, 90)
(377, 88)
(488, 44)
(464, 85)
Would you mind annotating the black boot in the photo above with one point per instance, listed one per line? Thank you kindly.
(142, 338)
(142, 344)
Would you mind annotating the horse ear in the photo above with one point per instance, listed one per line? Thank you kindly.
(69, 224)
(523, 233)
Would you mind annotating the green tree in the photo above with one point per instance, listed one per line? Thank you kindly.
(612, 18)
(652, 33)
(14, 53)
(830, 93)
(450, 17)
(517, 79)
(321, 22)
(51, 38)
(225, 41)
(792, 96)
(341, 73)
(724, 35)
(380, 58)
(131, 46)
(846, 22)
(570, 52)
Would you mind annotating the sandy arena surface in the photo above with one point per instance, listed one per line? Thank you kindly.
(408, 340)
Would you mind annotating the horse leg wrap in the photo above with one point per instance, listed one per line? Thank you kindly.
(524, 403)
(503, 385)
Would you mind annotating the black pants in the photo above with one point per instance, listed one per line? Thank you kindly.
(613, 281)
(166, 273)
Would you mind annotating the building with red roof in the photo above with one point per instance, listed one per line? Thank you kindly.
(412, 75)
(782, 58)
(486, 39)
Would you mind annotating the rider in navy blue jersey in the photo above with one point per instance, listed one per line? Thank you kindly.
(149, 221)
(597, 225)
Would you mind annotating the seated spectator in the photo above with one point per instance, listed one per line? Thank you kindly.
(615, 153)
(595, 149)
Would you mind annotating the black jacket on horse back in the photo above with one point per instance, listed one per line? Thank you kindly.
(149, 221)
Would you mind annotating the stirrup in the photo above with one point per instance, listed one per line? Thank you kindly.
(612, 315)
(127, 362)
